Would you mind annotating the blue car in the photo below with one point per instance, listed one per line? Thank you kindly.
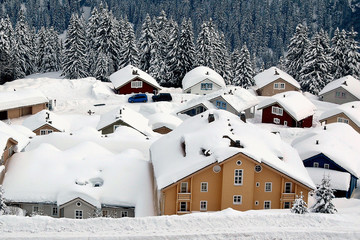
(141, 97)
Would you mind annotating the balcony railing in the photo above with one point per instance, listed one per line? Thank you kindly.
(184, 196)
(288, 197)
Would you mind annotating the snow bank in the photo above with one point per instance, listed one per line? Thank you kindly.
(199, 74)
(17, 133)
(158, 120)
(338, 180)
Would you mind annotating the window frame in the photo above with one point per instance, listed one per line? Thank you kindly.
(124, 214)
(136, 84)
(284, 205)
(205, 185)
(315, 164)
(279, 111)
(54, 211)
(35, 209)
(181, 206)
(206, 86)
(237, 197)
(78, 216)
(266, 189)
(43, 132)
(203, 205)
(326, 166)
(269, 203)
(221, 104)
(276, 120)
(343, 120)
(238, 179)
(285, 189)
(187, 187)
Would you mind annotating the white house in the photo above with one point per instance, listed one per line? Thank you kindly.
(202, 80)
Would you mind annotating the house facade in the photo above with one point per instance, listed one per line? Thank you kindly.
(239, 183)
(131, 79)
(273, 81)
(8, 149)
(340, 91)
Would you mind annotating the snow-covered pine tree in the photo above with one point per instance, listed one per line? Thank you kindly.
(146, 42)
(6, 53)
(155, 62)
(48, 50)
(204, 47)
(352, 55)
(101, 69)
(299, 205)
(316, 71)
(235, 56)
(222, 56)
(294, 60)
(129, 53)
(324, 195)
(2, 201)
(161, 31)
(75, 62)
(242, 67)
(91, 31)
(55, 54)
(338, 53)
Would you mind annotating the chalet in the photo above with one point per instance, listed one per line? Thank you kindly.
(163, 123)
(273, 81)
(15, 104)
(332, 150)
(79, 183)
(202, 80)
(131, 79)
(343, 90)
(123, 116)
(290, 109)
(215, 161)
(232, 99)
(45, 122)
(348, 113)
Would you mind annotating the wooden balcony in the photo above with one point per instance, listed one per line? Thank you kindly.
(286, 197)
(184, 196)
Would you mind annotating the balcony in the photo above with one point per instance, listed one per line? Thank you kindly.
(184, 196)
(286, 197)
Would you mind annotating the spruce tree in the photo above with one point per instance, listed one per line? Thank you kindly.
(161, 30)
(48, 50)
(6, 54)
(75, 61)
(352, 55)
(146, 42)
(101, 69)
(242, 67)
(155, 63)
(204, 47)
(222, 57)
(338, 53)
(295, 57)
(316, 71)
(324, 195)
(2, 201)
(91, 30)
(129, 51)
(299, 205)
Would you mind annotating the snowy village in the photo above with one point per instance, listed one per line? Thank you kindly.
(106, 133)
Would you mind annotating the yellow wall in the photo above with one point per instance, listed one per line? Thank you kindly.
(269, 90)
(333, 119)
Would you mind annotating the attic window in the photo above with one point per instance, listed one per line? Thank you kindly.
(216, 169)
(78, 204)
(258, 168)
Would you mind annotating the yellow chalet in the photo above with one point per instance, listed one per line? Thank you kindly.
(215, 161)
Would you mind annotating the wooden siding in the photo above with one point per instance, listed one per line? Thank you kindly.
(162, 130)
(331, 96)
(146, 88)
(23, 111)
(110, 128)
(45, 127)
(333, 119)
(269, 90)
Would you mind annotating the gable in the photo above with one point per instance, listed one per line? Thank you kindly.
(137, 78)
(206, 80)
(74, 201)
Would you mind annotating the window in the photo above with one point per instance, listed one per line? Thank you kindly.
(257, 184)
(216, 169)
(316, 164)
(136, 84)
(203, 205)
(268, 187)
(343, 120)
(288, 187)
(183, 206)
(287, 205)
(50, 131)
(267, 204)
(238, 177)
(45, 131)
(115, 127)
(184, 187)
(78, 204)
(42, 132)
(276, 121)
(277, 110)
(54, 211)
(124, 213)
(256, 203)
(279, 85)
(282, 85)
(326, 165)
(285, 123)
(105, 213)
(78, 214)
(340, 95)
(204, 187)
(35, 209)
(237, 199)
(206, 86)
(258, 168)
(276, 86)
(220, 105)
(238, 162)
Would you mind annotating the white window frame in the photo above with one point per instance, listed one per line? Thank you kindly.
(80, 215)
(124, 214)
(343, 120)
(276, 85)
(35, 209)
(54, 210)
(136, 84)
(277, 111)
(238, 177)
(203, 205)
(326, 165)
(287, 183)
(316, 164)
(267, 189)
(282, 85)
(256, 203)
(237, 199)
(49, 131)
(204, 186)
(206, 86)
(285, 204)
(43, 132)
(269, 203)
(257, 184)
(279, 85)
(276, 120)
(181, 187)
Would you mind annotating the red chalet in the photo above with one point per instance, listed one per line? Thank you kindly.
(130, 79)
(289, 109)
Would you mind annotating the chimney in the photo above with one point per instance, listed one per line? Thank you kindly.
(120, 111)
(237, 144)
(345, 83)
(47, 116)
(317, 142)
(324, 127)
(211, 117)
(276, 72)
(243, 117)
(135, 72)
(207, 73)
(284, 95)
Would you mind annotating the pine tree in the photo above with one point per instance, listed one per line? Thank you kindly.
(204, 47)
(316, 71)
(338, 53)
(161, 31)
(352, 55)
(324, 194)
(222, 56)
(6, 54)
(101, 69)
(242, 67)
(91, 30)
(299, 205)
(75, 62)
(296, 51)
(155, 62)
(129, 51)
(2, 201)
(146, 42)
(48, 50)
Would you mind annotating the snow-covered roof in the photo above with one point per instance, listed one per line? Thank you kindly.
(199, 74)
(272, 74)
(21, 98)
(339, 142)
(18, 134)
(350, 109)
(128, 73)
(239, 98)
(46, 117)
(158, 120)
(127, 115)
(170, 164)
(338, 180)
(293, 102)
(61, 176)
(349, 83)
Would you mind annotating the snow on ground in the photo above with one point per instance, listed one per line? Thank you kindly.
(227, 224)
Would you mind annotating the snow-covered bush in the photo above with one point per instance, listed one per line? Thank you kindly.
(323, 196)
(2, 201)
(299, 205)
